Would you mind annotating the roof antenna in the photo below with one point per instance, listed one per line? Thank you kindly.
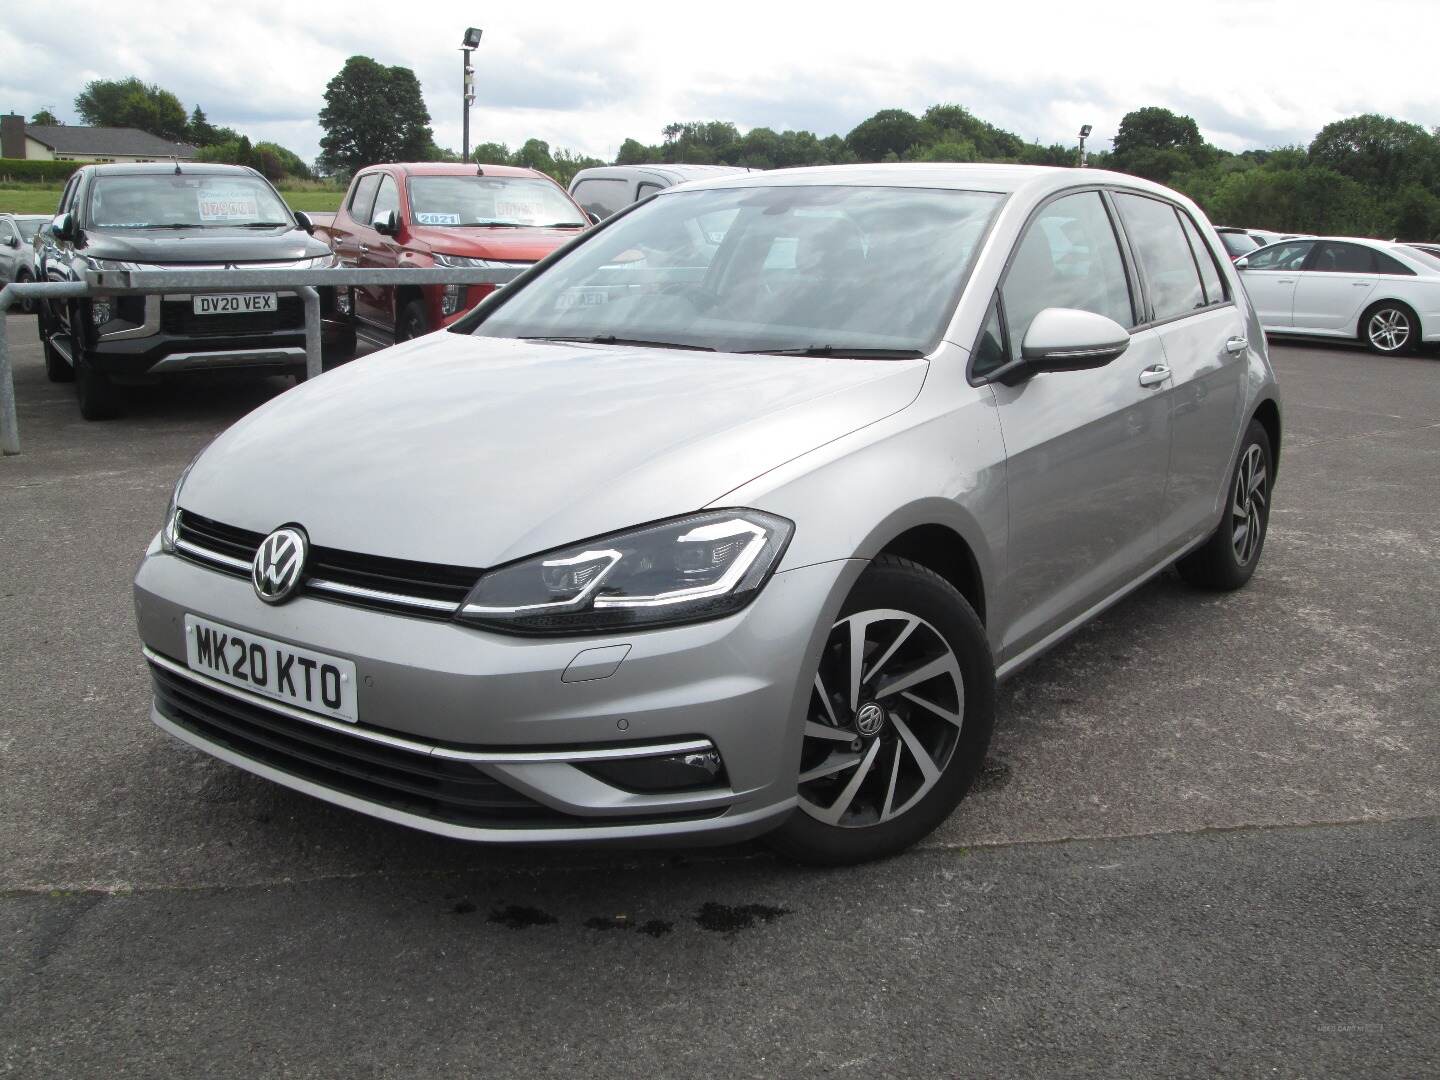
(479, 170)
(177, 165)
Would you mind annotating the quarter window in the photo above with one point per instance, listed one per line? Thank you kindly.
(386, 199)
(990, 352)
(364, 197)
(1159, 242)
(1386, 265)
(1068, 258)
(1205, 259)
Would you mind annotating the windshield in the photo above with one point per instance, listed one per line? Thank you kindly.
(175, 201)
(27, 227)
(475, 201)
(1237, 244)
(768, 269)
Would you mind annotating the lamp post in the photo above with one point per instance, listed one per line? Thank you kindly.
(1084, 134)
(467, 46)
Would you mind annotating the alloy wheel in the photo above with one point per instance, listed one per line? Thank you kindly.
(885, 715)
(1247, 512)
(1389, 329)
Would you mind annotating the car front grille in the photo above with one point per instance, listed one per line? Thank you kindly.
(426, 590)
(178, 317)
(416, 783)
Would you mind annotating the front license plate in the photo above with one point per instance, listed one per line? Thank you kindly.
(234, 303)
(308, 680)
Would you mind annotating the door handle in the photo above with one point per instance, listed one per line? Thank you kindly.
(1361, 284)
(1286, 281)
(364, 249)
(1154, 375)
(1236, 345)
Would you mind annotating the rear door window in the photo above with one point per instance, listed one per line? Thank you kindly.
(1164, 253)
(1330, 257)
(602, 197)
(1068, 258)
(364, 197)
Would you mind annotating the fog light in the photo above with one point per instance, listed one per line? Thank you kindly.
(100, 312)
(344, 303)
(450, 302)
(677, 772)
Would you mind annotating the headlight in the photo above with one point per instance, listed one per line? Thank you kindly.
(170, 531)
(698, 567)
(464, 261)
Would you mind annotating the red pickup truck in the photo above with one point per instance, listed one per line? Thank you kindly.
(432, 214)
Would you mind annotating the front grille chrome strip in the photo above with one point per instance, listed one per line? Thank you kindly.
(323, 585)
(476, 757)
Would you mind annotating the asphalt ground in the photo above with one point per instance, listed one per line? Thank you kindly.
(1207, 840)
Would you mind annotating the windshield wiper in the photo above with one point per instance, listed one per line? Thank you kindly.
(263, 224)
(495, 225)
(611, 339)
(563, 225)
(176, 225)
(856, 353)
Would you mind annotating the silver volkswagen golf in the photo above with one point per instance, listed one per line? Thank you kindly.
(726, 518)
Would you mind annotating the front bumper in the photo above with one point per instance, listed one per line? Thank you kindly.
(499, 706)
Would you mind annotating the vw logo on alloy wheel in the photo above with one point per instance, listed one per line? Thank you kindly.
(279, 564)
(869, 719)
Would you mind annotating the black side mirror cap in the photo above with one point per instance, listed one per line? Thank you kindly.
(62, 226)
(303, 220)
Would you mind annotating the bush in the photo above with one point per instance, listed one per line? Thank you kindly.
(13, 169)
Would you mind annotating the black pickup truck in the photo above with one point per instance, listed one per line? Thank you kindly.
(168, 216)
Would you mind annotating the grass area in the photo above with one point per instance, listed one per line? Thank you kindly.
(44, 198)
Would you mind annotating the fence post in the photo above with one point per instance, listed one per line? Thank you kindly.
(311, 297)
(9, 423)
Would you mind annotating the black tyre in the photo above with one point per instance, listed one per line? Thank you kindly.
(899, 720)
(26, 306)
(412, 322)
(57, 368)
(1390, 328)
(339, 349)
(1228, 559)
(99, 398)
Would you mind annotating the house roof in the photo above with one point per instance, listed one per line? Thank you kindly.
(128, 142)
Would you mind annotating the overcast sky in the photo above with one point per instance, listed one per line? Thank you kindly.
(1252, 73)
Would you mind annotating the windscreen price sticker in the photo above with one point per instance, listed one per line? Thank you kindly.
(437, 219)
(219, 204)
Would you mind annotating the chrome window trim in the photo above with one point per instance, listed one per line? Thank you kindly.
(415, 746)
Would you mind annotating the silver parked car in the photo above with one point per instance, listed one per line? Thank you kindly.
(608, 189)
(726, 519)
(17, 234)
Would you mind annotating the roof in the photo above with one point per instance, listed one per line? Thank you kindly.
(25, 217)
(64, 139)
(453, 168)
(673, 173)
(1005, 179)
(159, 168)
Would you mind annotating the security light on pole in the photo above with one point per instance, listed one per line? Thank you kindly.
(1084, 134)
(468, 44)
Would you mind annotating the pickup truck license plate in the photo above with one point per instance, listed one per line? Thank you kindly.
(308, 680)
(234, 303)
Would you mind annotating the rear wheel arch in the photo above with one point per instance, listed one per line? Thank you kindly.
(1267, 413)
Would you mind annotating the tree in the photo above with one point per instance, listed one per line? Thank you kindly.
(535, 154)
(491, 153)
(199, 131)
(632, 152)
(568, 163)
(131, 103)
(1378, 150)
(45, 118)
(888, 132)
(286, 162)
(373, 113)
(1157, 144)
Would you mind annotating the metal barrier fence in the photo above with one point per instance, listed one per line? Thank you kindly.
(302, 283)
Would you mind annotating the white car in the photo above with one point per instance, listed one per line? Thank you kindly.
(1385, 295)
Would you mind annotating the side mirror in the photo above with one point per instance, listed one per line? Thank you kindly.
(303, 220)
(62, 226)
(594, 217)
(1064, 339)
(1242, 262)
(386, 224)
(11, 241)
